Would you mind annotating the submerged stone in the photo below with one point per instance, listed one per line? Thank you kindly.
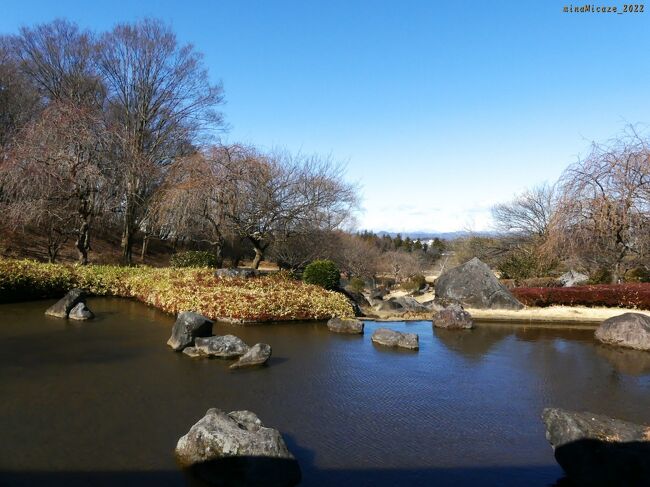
(392, 338)
(62, 308)
(188, 327)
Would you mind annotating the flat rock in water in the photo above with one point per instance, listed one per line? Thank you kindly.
(453, 317)
(258, 354)
(345, 325)
(474, 285)
(81, 312)
(62, 308)
(598, 450)
(392, 338)
(188, 327)
(226, 346)
(236, 449)
(630, 330)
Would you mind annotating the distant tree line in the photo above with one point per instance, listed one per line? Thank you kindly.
(118, 131)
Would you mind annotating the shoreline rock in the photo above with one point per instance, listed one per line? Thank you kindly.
(630, 330)
(474, 285)
(454, 316)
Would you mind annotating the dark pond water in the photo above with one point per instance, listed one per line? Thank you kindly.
(104, 402)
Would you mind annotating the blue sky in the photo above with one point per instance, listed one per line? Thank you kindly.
(439, 109)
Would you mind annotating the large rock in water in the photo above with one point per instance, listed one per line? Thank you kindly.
(188, 326)
(392, 338)
(62, 308)
(453, 317)
(630, 330)
(258, 354)
(236, 449)
(474, 285)
(81, 312)
(597, 450)
(226, 346)
(345, 325)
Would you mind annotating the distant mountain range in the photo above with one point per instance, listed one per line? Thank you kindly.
(440, 235)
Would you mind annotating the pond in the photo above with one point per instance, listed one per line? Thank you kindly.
(104, 402)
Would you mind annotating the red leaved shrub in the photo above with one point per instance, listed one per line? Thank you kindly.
(630, 295)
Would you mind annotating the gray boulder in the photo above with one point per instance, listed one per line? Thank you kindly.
(81, 312)
(258, 354)
(598, 450)
(452, 317)
(237, 272)
(572, 278)
(345, 325)
(388, 305)
(378, 293)
(188, 326)
(474, 285)
(392, 338)
(630, 330)
(226, 346)
(236, 449)
(62, 308)
(410, 304)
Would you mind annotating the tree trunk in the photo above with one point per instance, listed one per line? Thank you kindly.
(127, 245)
(259, 254)
(83, 243)
(145, 245)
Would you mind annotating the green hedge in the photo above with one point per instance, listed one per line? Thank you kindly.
(323, 273)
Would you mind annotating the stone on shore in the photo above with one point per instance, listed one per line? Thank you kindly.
(597, 450)
(392, 338)
(572, 278)
(258, 354)
(236, 449)
(62, 308)
(188, 327)
(454, 317)
(631, 330)
(474, 285)
(234, 272)
(81, 312)
(226, 346)
(345, 325)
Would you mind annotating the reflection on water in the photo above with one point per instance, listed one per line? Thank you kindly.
(104, 402)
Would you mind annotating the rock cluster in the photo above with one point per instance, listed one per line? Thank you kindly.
(192, 334)
(72, 305)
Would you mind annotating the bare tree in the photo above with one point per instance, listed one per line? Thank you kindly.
(19, 99)
(57, 175)
(604, 212)
(57, 57)
(160, 103)
(277, 196)
(528, 214)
